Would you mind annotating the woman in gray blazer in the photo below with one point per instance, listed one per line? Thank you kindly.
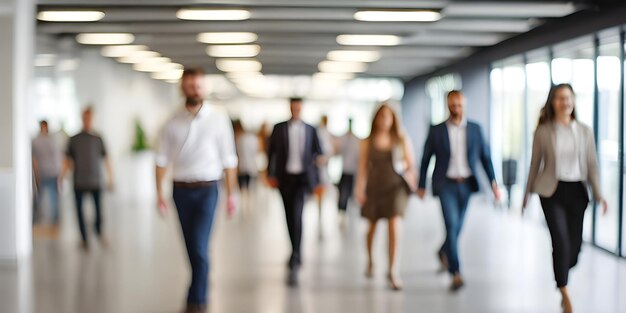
(562, 167)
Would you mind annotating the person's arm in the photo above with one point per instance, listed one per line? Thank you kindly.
(485, 159)
(271, 159)
(109, 169)
(36, 171)
(593, 173)
(162, 160)
(409, 162)
(535, 162)
(228, 155)
(361, 178)
(161, 203)
(426, 156)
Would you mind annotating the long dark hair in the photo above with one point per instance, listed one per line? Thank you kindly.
(547, 112)
(396, 129)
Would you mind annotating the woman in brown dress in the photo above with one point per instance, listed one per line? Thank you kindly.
(380, 189)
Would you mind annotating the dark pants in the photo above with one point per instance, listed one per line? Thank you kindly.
(196, 209)
(95, 194)
(293, 191)
(346, 184)
(454, 198)
(564, 212)
(244, 181)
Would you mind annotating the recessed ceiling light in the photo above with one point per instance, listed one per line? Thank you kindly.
(227, 38)
(353, 56)
(70, 16)
(368, 40)
(121, 50)
(139, 56)
(105, 38)
(397, 16)
(238, 65)
(342, 67)
(213, 14)
(168, 75)
(233, 51)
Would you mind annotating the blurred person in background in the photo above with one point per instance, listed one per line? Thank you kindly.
(348, 148)
(328, 145)
(294, 153)
(85, 155)
(247, 146)
(47, 158)
(380, 189)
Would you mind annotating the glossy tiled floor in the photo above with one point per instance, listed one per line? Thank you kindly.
(506, 261)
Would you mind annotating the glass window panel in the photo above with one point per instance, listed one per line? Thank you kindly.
(609, 71)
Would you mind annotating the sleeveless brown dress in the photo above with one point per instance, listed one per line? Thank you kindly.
(386, 191)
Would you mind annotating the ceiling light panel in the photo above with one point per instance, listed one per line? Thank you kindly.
(238, 65)
(119, 51)
(70, 16)
(233, 51)
(353, 56)
(397, 16)
(105, 38)
(342, 67)
(368, 40)
(227, 37)
(213, 14)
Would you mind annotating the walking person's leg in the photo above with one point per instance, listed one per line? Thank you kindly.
(556, 218)
(393, 228)
(78, 195)
(451, 216)
(371, 231)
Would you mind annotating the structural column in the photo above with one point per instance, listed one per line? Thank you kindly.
(17, 33)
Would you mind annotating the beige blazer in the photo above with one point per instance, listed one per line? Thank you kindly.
(542, 177)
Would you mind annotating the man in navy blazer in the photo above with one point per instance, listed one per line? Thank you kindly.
(293, 154)
(458, 147)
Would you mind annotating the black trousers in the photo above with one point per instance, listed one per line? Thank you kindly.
(346, 184)
(564, 212)
(293, 190)
(95, 194)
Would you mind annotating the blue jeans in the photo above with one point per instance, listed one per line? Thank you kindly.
(196, 209)
(454, 198)
(49, 185)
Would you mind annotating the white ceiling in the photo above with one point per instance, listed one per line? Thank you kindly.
(295, 35)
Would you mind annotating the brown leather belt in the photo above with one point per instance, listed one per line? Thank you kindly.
(195, 184)
(458, 180)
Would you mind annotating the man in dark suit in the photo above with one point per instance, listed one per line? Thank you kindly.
(458, 145)
(293, 153)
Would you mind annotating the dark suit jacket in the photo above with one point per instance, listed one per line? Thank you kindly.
(278, 153)
(438, 144)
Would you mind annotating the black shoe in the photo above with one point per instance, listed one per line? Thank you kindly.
(292, 278)
(196, 308)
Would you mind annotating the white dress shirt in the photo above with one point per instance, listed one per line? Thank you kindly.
(350, 153)
(457, 134)
(198, 147)
(297, 137)
(566, 152)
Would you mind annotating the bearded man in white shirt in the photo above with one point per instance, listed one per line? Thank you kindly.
(198, 145)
